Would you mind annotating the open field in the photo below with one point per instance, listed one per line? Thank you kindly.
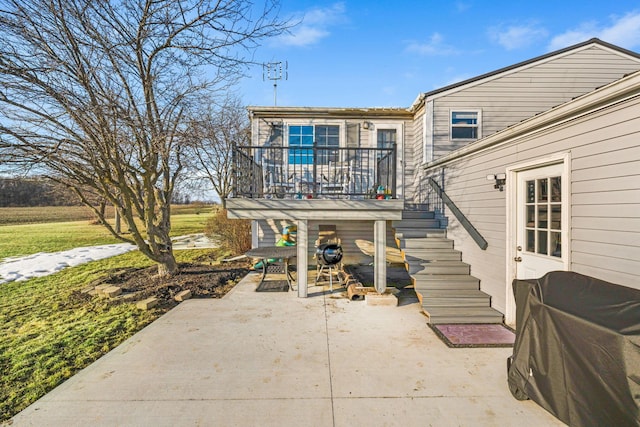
(50, 328)
(48, 214)
(24, 239)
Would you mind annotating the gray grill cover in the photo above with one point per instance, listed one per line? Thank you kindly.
(577, 349)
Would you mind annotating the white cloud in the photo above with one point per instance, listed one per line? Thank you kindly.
(435, 46)
(462, 6)
(623, 31)
(517, 37)
(314, 25)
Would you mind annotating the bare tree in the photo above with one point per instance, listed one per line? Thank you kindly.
(97, 94)
(213, 135)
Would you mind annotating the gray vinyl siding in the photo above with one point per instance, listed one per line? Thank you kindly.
(511, 98)
(414, 148)
(356, 238)
(604, 188)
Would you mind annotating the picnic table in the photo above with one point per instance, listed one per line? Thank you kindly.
(274, 259)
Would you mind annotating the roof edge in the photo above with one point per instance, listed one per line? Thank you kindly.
(593, 41)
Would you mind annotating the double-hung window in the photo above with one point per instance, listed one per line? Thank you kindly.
(327, 142)
(465, 124)
(302, 139)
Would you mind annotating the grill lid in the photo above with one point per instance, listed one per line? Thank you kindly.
(329, 253)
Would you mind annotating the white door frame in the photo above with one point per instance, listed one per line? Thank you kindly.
(511, 223)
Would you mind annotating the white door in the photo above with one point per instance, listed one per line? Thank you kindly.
(541, 222)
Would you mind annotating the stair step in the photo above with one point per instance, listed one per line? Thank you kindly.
(416, 206)
(425, 282)
(411, 233)
(416, 223)
(439, 267)
(435, 243)
(431, 255)
(418, 214)
(440, 315)
(455, 298)
(419, 242)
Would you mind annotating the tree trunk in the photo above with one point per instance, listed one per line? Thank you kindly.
(168, 266)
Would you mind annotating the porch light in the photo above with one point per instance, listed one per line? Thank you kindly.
(500, 180)
(365, 125)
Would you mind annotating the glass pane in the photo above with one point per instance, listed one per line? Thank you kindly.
(295, 130)
(542, 242)
(556, 245)
(464, 117)
(531, 216)
(556, 189)
(531, 191)
(531, 241)
(542, 216)
(386, 138)
(556, 217)
(464, 132)
(543, 190)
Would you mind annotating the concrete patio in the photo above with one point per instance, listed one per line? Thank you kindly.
(273, 359)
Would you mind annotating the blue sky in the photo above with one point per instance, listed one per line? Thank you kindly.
(357, 53)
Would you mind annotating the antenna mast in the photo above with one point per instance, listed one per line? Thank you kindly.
(275, 71)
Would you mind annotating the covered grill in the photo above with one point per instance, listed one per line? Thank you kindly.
(329, 254)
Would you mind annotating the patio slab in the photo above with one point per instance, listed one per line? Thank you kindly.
(256, 358)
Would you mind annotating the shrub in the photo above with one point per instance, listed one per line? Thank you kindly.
(232, 234)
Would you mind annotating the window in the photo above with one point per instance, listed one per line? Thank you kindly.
(386, 139)
(300, 136)
(544, 216)
(326, 138)
(465, 124)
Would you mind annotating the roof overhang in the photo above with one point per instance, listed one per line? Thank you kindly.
(333, 113)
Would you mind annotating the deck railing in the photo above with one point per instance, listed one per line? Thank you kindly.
(314, 172)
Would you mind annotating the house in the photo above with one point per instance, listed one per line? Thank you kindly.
(510, 174)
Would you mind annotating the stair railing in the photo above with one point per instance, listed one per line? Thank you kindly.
(475, 234)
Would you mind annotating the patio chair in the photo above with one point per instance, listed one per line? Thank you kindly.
(337, 180)
(277, 182)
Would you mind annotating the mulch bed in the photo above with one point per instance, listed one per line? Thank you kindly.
(203, 280)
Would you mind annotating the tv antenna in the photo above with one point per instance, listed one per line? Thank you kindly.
(275, 71)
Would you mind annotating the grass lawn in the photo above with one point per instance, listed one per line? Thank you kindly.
(48, 330)
(25, 239)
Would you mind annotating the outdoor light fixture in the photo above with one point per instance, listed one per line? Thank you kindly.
(365, 125)
(500, 180)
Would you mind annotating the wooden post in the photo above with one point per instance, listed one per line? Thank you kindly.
(380, 256)
(302, 262)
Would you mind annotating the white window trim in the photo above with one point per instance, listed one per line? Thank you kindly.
(469, 110)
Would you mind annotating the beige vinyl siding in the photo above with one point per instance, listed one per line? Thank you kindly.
(605, 197)
(511, 98)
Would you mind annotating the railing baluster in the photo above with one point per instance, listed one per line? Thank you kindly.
(283, 171)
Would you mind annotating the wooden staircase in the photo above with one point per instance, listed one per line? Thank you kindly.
(444, 285)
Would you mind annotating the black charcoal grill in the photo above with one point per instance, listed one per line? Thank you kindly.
(329, 254)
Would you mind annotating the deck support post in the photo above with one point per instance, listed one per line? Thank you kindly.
(302, 257)
(379, 256)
